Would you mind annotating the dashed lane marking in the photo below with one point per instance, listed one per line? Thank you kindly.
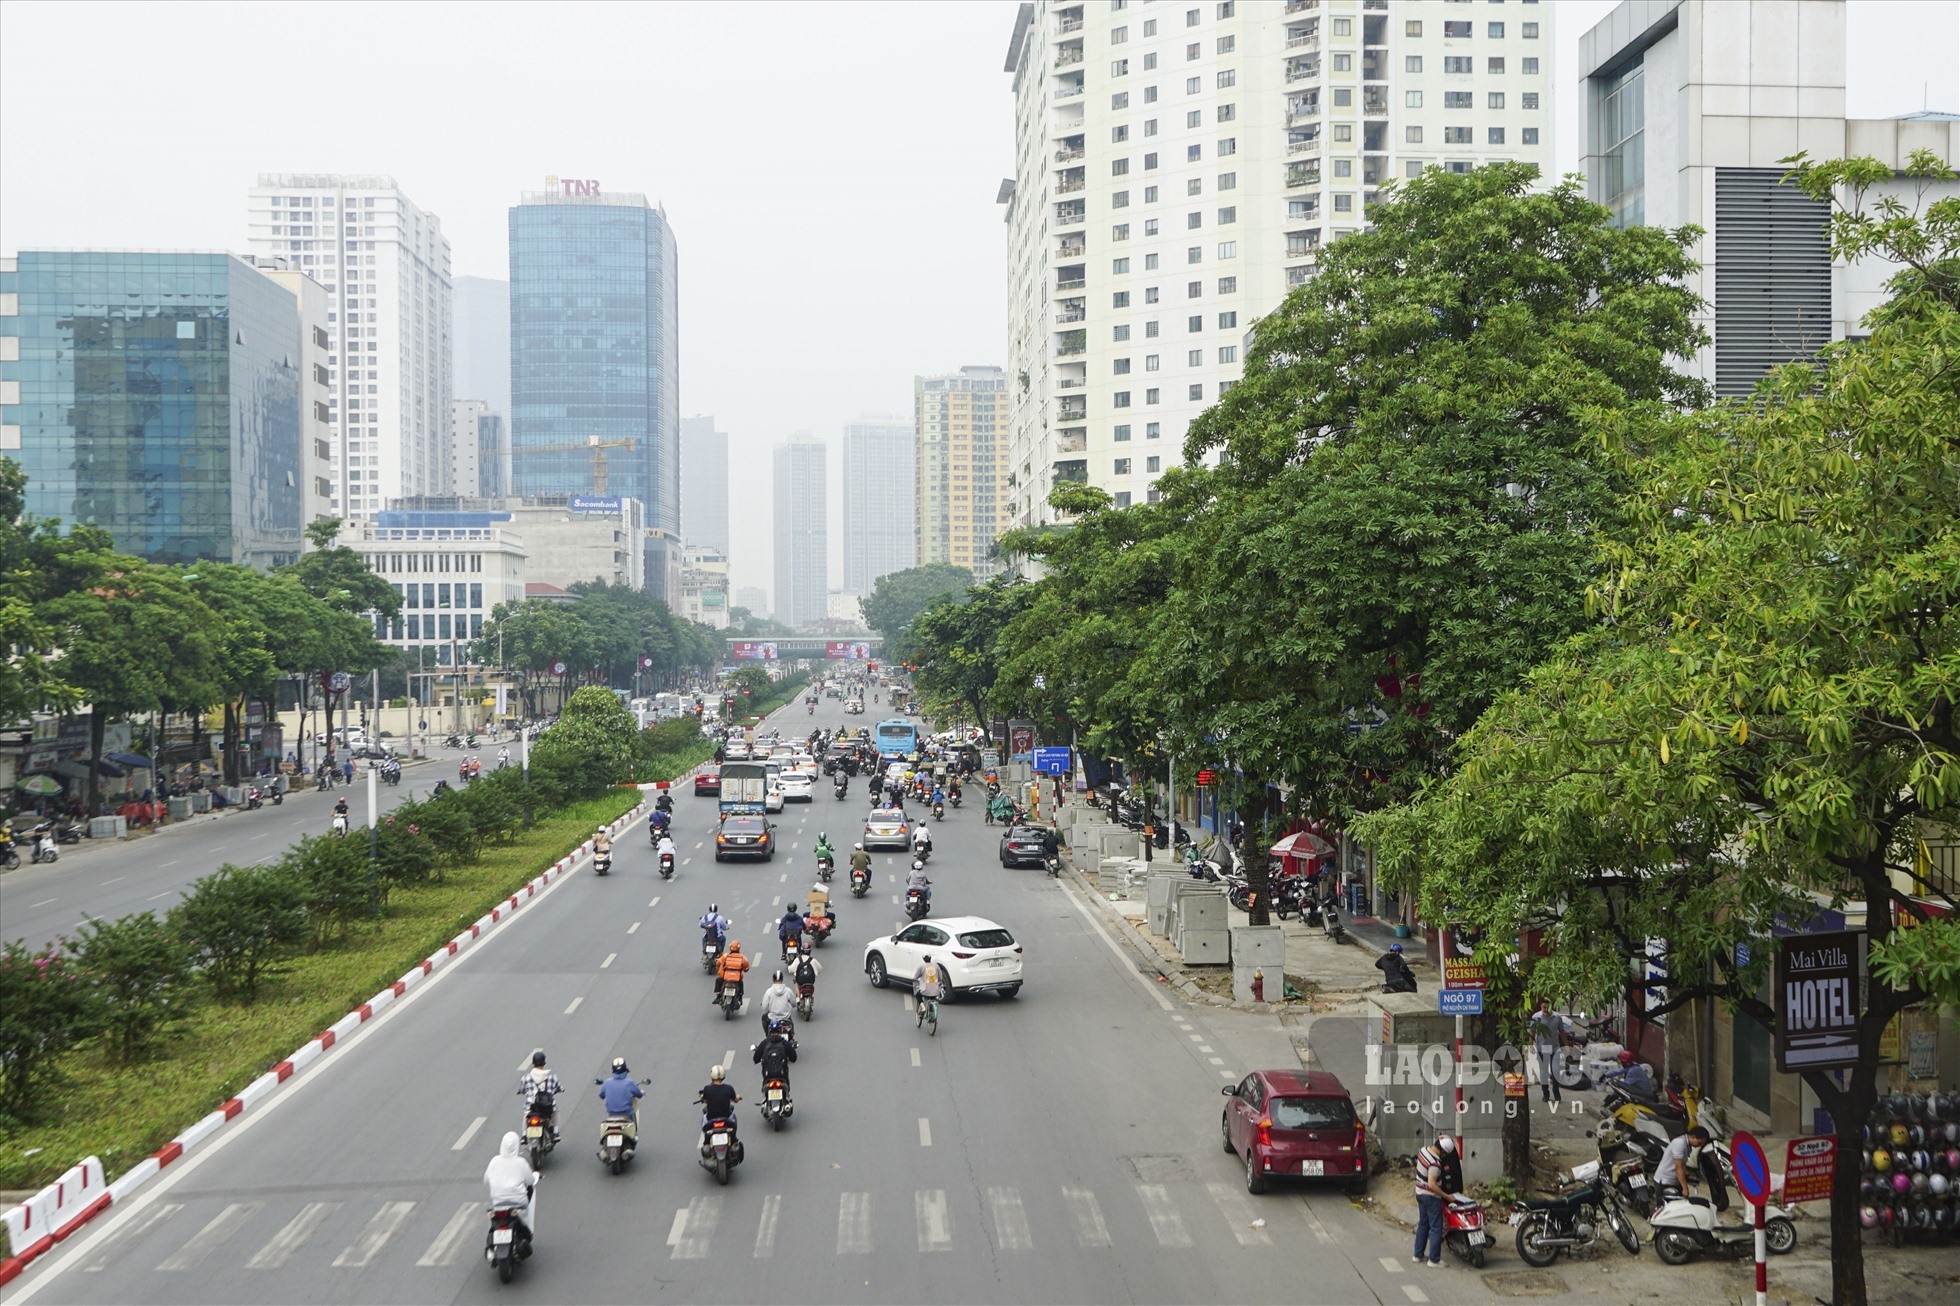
(915, 1058)
(608, 961)
(574, 1007)
(468, 1134)
(634, 928)
(925, 1132)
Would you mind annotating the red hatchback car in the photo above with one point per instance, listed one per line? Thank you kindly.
(1295, 1124)
(707, 782)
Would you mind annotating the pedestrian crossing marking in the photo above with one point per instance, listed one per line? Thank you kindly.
(935, 1234)
(291, 1238)
(1090, 1231)
(1165, 1222)
(141, 1225)
(449, 1243)
(372, 1239)
(1010, 1220)
(208, 1239)
(694, 1228)
(765, 1231)
(1238, 1212)
(853, 1224)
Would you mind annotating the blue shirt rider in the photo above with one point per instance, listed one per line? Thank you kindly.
(714, 926)
(938, 796)
(620, 1093)
(791, 925)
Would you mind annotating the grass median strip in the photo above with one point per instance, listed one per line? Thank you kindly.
(122, 1113)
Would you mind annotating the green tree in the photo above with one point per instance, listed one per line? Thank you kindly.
(340, 578)
(589, 748)
(1766, 721)
(898, 597)
(336, 882)
(532, 638)
(240, 922)
(139, 975)
(29, 680)
(958, 649)
(45, 1006)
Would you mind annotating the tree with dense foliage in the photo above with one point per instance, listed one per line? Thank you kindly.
(589, 748)
(897, 598)
(45, 1007)
(1764, 723)
(138, 973)
(29, 681)
(240, 922)
(341, 578)
(960, 649)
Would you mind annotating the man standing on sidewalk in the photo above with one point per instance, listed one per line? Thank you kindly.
(1549, 1030)
(1429, 1205)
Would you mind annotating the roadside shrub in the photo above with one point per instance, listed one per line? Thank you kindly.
(589, 749)
(495, 805)
(405, 855)
(45, 1007)
(336, 883)
(445, 819)
(240, 922)
(138, 973)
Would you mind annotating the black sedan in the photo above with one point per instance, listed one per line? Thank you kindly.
(1025, 845)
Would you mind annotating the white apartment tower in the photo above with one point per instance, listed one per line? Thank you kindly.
(1178, 166)
(385, 266)
(880, 501)
(802, 531)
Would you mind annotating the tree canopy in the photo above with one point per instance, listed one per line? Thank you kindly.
(897, 599)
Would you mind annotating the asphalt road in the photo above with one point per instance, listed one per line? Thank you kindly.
(101, 881)
(1060, 1147)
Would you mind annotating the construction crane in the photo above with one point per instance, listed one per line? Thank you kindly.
(593, 445)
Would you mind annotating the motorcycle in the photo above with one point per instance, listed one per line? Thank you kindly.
(278, 795)
(340, 824)
(1463, 1228)
(806, 1000)
(939, 811)
(602, 862)
(664, 803)
(1053, 864)
(1291, 896)
(826, 867)
(1330, 918)
(45, 848)
(666, 866)
(922, 850)
(252, 800)
(10, 857)
(721, 1150)
(1685, 1226)
(1550, 1226)
(470, 742)
(916, 905)
(538, 1138)
(503, 1248)
(860, 883)
(816, 929)
(616, 1145)
(731, 1001)
(454, 741)
(710, 954)
(776, 1104)
(954, 798)
(841, 787)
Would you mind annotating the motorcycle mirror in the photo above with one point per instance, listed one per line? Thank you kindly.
(1230, 1090)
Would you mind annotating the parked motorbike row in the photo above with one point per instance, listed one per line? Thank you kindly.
(48, 838)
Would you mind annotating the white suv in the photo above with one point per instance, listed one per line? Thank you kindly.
(978, 955)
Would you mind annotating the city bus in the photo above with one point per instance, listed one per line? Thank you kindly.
(896, 738)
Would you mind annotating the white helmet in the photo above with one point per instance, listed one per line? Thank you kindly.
(860, 847)
(718, 1073)
(918, 865)
(1446, 1142)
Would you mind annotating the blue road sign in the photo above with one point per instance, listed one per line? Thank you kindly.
(1460, 1002)
(1051, 761)
(1751, 1167)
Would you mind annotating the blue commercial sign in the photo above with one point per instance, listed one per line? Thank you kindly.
(1460, 1002)
(585, 503)
(1051, 761)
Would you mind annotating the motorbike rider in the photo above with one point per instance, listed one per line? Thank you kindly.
(730, 969)
(341, 819)
(806, 972)
(917, 880)
(938, 796)
(602, 843)
(790, 928)
(541, 1078)
(774, 1054)
(1633, 1075)
(778, 1003)
(1674, 1175)
(511, 1180)
(503, 756)
(824, 854)
(717, 1100)
(922, 842)
(714, 927)
(1396, 975)
(658, 822)
(819, 903)
(619, 1092)
(666, 848)
(860, 860)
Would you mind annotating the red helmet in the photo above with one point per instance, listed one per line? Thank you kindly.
(1626, 1058)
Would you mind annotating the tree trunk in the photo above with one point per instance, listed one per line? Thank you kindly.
(231, 741)
(1252, 853)
(97, 723)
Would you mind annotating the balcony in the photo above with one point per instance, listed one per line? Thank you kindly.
(1075, 469)
(1071, 185)
(1069, 57)
(1075, 439)
(1305, 43)
(1068, 92)
(1302, 174)
(1304, 70)
(1073, 283)
(1301, 6)
(1068, 25)
(1374, 101)
(1070, 383)
(1076, 250)
(1303, 147)
(1073, 410)
(1302, 112)
(1070, 215)
(1066, 155)
(1071, 310)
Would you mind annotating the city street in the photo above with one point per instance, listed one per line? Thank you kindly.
(1061, 1146)
(101, 881)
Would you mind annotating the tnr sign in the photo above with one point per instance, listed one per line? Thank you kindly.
(572, 186)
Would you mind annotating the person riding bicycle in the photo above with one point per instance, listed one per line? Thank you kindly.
(928, 981)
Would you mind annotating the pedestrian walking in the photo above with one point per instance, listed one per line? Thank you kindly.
(1549, 1032)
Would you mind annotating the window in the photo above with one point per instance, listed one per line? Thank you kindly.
(1122, 467)
(1344, 204)
(1149, 333)
(1343, 97)
(1494, 100)
(1153, 464)
(1494, 135)
(1150, 224)
(1121, 299)
(1456, 136)
(1197, 391)
(1413, 168)
(1195, 254)
(1412, 135)
(1152, 430)
(1150, 160)
(1193, 289)
(1530, 67)
(1149, 262)
(1151, 396)
(1120, 200)
(1228, 181)
(1119, 167)
(1192, 85)
(1458, 64)
(1411, 63)
(1150, 197)
(1150, 27)
(1343, 131)
(1495, 31)
(1119, 266)
(1343, 63)
(1193, 153)
(1458, 166)
(1412, 99)
(1227, 8)
(1150, 92)
(1228, 215)
(1118, 35)
(1150, 295)
(1227, 44)
(1228, 145)
(1195, 323)
(1121, 434)
(1531, 31)
(1122, 333)
(1150, 362)
(1119, 68)
(1227, 112)
(1122, 498)
(1195, 118)
(1529, 99)
(1121, 231)
(1495, 64)
(1457, 99)
(1456, 31)
(1149, 65)
(1121, 399)
(1344, 27)
(1190, 18)
(1192, 51)
(1117, 135)
(1227, 321)
(1228, 353)
(1196, 358)
(1412, 28)
(1228, 249)
(1344, 167)
(1530, 135)
(1228, 79)
(1228, 285)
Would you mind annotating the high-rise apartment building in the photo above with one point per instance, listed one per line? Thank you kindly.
(316, 428)
(753, 599)
(704, 485)
(802, 531)
(156, 394)
(880, 502)
(385, 266)
(1177, 170)
(961, 420)
(595, 357)
(466, 418)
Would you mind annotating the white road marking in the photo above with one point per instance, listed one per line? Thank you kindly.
(694, 1228)
(208, 1239)
(167, 865)
(1216, 1061)
(1237, 1210)
(574, 1007)
(375, 1236)
(1204, 1047)
(783, 878)
(608, 961)
(1414, 1293)
(915, 1058)
(853, 1224)
(1088, 914)
(1010, 1220)
(219, 847)
(1197, 1038)
(634, 928)
(449, 1243)
(934, 1233)
(98, 1259)
(925, 1132)
(728, 1057)
(1393, 1264)
(31, 906)
(765, 1232)
(118, 880)
(776, 901)
(697, 847)
(166, 894)
(291, 1238)
(1090, 1231)
(470, 1133)
(1165, 1222)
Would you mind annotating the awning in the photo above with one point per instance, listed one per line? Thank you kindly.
(136, 760)
(41, 786)
(79, 770)
(1302, 844)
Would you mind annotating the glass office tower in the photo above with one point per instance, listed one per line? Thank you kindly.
(156, 394)
(595, 358)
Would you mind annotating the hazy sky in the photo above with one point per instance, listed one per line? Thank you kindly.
(829, 168)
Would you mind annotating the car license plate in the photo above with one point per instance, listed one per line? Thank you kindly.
(500, 1235)
(775, 1095)
(1313, 1167)
(1478, 1238)
(720, 1140)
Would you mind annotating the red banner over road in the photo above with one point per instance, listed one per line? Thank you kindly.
(855, 651)
(752, 650)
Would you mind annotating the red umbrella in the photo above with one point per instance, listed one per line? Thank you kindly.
(1302, 843)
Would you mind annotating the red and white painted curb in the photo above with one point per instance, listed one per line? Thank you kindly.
(63, 1207)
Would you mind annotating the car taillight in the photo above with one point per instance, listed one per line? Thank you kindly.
(1017, 947)
(1266, 1131)
(964, 956)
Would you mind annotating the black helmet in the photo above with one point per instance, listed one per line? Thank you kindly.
(537, 1057)
(713, 909)
(778, 976)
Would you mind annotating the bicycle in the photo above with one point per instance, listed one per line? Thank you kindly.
(926, 1009)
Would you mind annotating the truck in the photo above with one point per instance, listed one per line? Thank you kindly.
(744, 788)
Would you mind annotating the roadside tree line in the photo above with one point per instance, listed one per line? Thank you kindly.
(599, 640)
(1468, 564)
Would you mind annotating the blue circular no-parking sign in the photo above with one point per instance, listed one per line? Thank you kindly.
(1751, 1168)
